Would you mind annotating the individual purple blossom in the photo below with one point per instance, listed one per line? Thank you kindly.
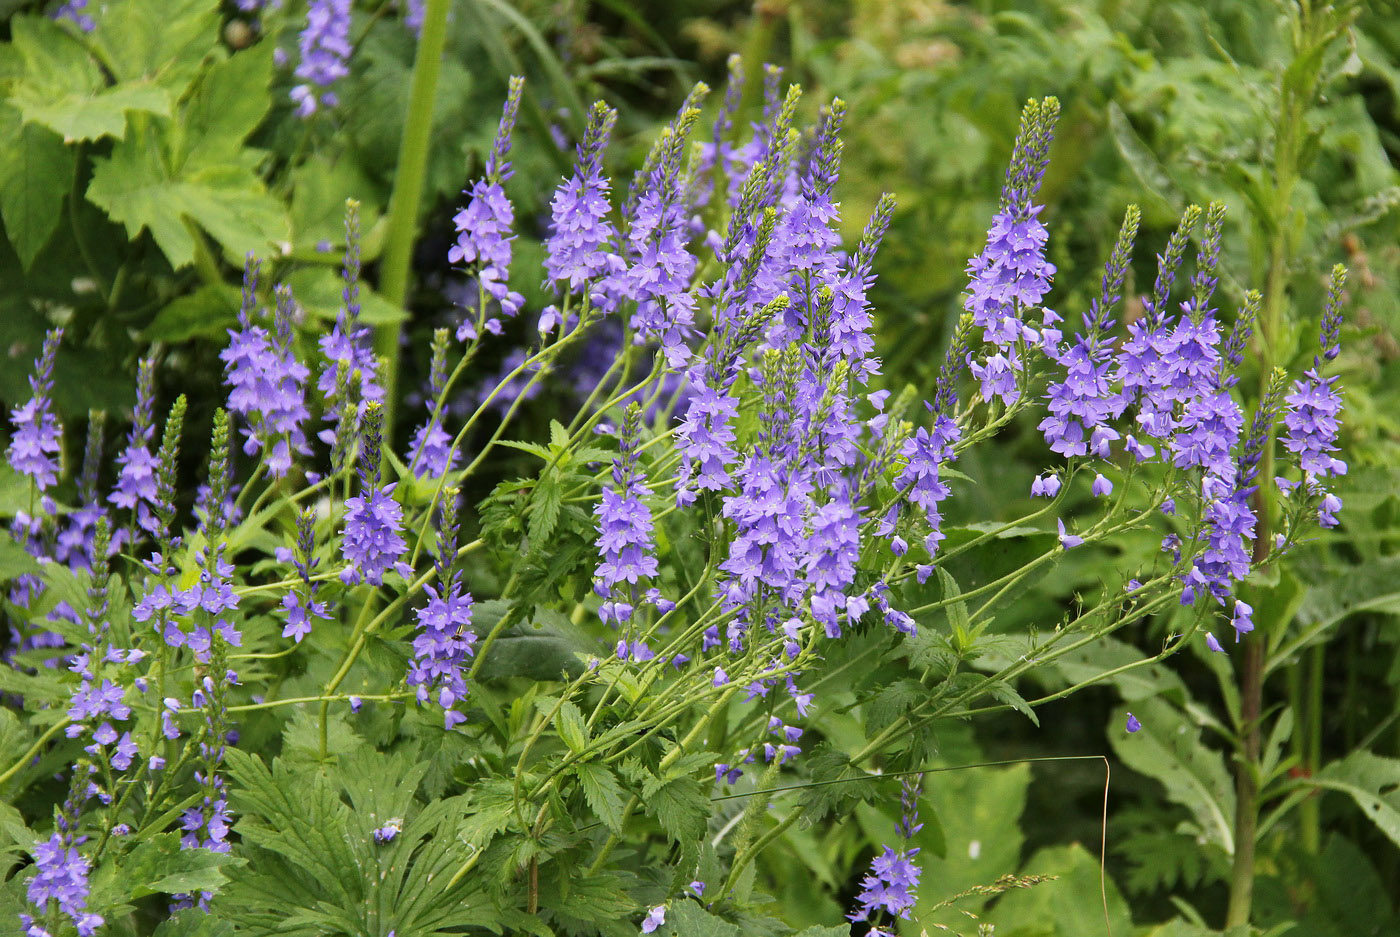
(484, 228)
(1214, 643)
(413, 15)
(324, 45)
(373, 542)
(38, 438)
(389, 831)
(301, 606)
(76, 12)
(1045, 486)
(654, 919)
(1067, 540)
(1133, 723)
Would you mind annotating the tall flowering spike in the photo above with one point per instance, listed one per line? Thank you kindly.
(431, 448)
(851, 325)
(136, 473)
(266, 382)
(659, 277)
(1082, 404)
(580, 246)
(1168, 263)
(484, 229)
(1240, 332)
(167, 459)
(1311, 421)
(443, 643)
(75, 544)
(1011, 275)
(38, 439)
(1204, 280)
(301, 605)
(717, 153)
(324, 45)
(625, 528)
(350, 375)
(216, 515)
(373, 541)
(889, 886)
(924, 452)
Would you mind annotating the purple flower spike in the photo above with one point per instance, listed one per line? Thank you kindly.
(35, 446)
(324, 44)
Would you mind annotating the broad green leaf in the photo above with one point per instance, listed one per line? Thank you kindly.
(192, 922)
(680, 807)
(1169, 749)
(160, 865)
(135, 187)
(1373, 782)
(229, 101)
(603, 793)
(163, 42)
(685, 918)
(1072, 905)
(36, 172)
(318, 291)
(206, 313)
(320, 187)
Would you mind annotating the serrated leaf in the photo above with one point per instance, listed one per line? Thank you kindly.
(685, 918)
(602, 792)
(839, 784)
(229, 101)
(545, 505)
(160, 42)
(572, 729)
(160, 865)
(680, 807)
(193, 922)
(318, 291)
(955, 609)
(135, 188)
(1003, 692)
(1169, 748)
(1373, 782)
(36, 172)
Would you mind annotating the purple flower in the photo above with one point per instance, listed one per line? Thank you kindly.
(1101, 486)
(925, 451)
(373, 540)
(1067, 540)
(581, 238)
(387, 832)
(75, 11)
(266, 381)
(654, 919)
(889, 886)
(1045, 486)
(624, 528)
(37, 439)
(61, 877)
(484, 228)
(324, 45)
(1311, 423)
(1133, 724)
(1213, 643)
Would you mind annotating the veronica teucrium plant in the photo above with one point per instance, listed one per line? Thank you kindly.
(333, 694)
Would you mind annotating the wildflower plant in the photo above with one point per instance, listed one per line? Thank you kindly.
(342, 691)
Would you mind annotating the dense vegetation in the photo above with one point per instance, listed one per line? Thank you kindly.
(882, 467)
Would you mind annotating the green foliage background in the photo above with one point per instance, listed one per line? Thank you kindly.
(140, 165)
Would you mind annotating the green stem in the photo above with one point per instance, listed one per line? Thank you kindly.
(408, 191)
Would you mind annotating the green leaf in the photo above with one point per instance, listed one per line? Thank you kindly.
(160, 42)
(136, 188)
(685, 918)
(544, 507)
(192, 922)
(602, 792)
(840, 785)
(36, 171)
(229, 101)
(90, 117)
(816, 930)
(318, 291)
(1003, 692)
(571, 727)
(320, 187)
(956, 609)
(1169, 749)
(680, 807)
(1373, 782)
(160, 865)
(208, 312)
